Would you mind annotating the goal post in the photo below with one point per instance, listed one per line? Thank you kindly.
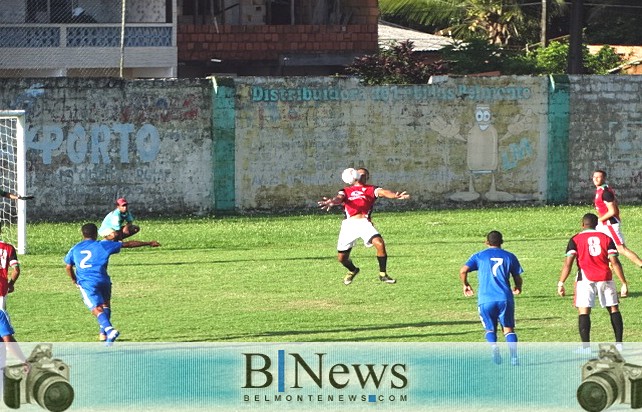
(13, 179)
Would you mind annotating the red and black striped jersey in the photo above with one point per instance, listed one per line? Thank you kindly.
(8, 258)
(592, 250)
(605, 194)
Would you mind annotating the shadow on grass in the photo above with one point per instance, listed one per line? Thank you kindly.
(281, 334)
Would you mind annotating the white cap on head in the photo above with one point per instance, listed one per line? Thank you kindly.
(77, 11)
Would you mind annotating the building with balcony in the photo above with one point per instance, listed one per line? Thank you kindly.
(88, 38)
(183, 38)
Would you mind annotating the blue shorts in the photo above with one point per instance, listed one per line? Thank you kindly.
(5, 325)
(95, 294)
(492, 312)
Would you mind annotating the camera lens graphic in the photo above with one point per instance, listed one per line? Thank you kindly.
(53, 392)
(597, 392)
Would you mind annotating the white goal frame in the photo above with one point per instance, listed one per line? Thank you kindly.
(19, 187)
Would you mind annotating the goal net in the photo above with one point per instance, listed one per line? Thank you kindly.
(13, 214)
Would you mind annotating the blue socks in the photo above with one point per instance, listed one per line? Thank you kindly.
(106, 311)
(103, 321)
(491, 337)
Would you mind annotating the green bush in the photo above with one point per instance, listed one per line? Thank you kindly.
(396, 64)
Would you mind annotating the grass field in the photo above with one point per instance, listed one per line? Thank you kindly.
(276, 278)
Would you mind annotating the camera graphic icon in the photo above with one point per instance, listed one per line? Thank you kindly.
(609, 379)
(45, 382)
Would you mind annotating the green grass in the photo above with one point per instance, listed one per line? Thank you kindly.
(276, 278)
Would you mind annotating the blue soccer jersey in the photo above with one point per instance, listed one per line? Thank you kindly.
(90, 257)
(494, 267)
(5, 325)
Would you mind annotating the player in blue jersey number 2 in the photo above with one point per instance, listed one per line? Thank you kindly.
(87, 267)
(494, 267)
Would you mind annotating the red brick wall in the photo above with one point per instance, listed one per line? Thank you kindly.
(203, 42)
(258, 42)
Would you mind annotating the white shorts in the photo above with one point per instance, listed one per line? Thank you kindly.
(353, 229)
(586, 291)
(613, 231)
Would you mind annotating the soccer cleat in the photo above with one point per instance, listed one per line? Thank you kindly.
(387, 279)
(497, 357)
(514, 360)
(350, 277)
(102, 337)
(619, 347)
(112, 335)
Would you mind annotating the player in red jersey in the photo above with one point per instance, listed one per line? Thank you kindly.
(596, 256)
(8, 260)
(358, 201)
(609, 218)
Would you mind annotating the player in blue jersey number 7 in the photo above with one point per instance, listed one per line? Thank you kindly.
(494, 267)
(87, 267)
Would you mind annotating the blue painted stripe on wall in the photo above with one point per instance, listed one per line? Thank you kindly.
(224, 133)
(558, 133)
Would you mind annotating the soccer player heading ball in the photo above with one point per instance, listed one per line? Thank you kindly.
(118, 224)
(358, 201)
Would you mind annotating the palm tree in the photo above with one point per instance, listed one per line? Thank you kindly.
(499, 21)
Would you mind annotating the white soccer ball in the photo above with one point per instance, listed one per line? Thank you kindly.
(349, 175)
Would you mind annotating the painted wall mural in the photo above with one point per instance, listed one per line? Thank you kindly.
(455, 141)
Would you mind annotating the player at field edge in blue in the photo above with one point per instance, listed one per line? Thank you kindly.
(495, 300)
(9, 341)
(118, 224)
(87, 267)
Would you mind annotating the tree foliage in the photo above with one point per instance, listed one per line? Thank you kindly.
(501, 22)
(553, 59)
(479, 56)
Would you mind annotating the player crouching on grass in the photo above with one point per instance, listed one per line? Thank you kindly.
(118, 224)
(358, 201)
(90, 258)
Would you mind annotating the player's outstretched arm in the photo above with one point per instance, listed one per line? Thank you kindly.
(71, 273)
(566, 270)
(327, 203)
(389, 194)
(15, 197)
(518, 284)
(138, 243)
(619, 272)
(463, 276)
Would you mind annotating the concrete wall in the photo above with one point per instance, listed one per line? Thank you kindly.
(91, 141)
(202, 146)
(605, 133)
(462, 140)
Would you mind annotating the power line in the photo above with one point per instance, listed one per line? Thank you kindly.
(539, 3)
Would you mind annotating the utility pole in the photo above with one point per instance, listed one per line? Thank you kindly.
(575, 63)
(543, 24)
